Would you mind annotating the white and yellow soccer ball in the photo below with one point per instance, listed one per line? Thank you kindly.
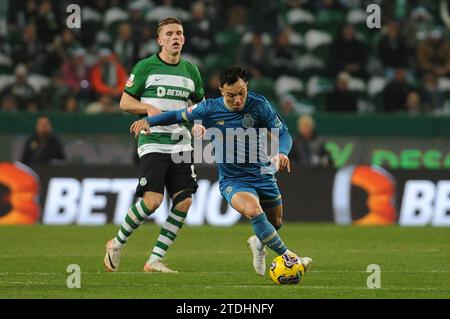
(286, 269)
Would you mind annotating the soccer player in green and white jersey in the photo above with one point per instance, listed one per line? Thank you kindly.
(168, 82)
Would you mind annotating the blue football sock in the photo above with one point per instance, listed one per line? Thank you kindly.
(267, 234)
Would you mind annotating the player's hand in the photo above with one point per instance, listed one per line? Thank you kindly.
(281, 162)
(152, 110)
(198, 130)
(138, 126)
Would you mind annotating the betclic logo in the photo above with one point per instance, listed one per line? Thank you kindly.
(425, 202)
(380, 187)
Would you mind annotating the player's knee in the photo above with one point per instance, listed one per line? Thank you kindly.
(152, 202)
(184, 205)
(183, 200)
(251, 211)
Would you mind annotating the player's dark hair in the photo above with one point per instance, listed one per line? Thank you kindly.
(233, 74)
(169, 20)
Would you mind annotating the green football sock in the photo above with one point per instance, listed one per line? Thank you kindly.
(168, 233)
(135, 217)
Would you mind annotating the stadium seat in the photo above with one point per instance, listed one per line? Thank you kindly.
(328, 20)
(92, 24)
(229, 42)
(317, 90)
(193, 59)
(316, 38)
(113, 15)
(89, 14)
(444, 84)
(356, 16)
(356, 84)
(288, 84)
(216, 62)
(375, 87)
(322, 52)
(158, 13)
(247, 38)
(264, 86)
(309, 65)
(5, 80)
(6, 64)
(38, 81)
(227, 38)
(301, 97)
(317, 85)
(300, 20)
(113, 18)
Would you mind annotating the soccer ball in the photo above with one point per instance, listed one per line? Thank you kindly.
(286, 270)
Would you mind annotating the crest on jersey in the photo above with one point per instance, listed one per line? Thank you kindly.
(248, 120)
(130, 81)
(143, 181)
(228, 190)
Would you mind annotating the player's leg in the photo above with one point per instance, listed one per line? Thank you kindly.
(181, 184)
(274, 216)
(248, 205)
(272, 204)
(152, 168)
(169, 231)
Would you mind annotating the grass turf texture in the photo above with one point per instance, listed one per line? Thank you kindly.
(215, 262)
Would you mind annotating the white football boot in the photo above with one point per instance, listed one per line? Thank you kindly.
(306, 262)
(158, 266)
(259, 255)
(112, 256)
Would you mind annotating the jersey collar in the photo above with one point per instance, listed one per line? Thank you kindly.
(169, 64)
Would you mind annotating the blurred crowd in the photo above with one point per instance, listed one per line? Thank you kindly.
(306, 56)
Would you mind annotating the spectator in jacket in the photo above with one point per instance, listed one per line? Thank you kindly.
(43, 147)
(307, 148)
(108, 75)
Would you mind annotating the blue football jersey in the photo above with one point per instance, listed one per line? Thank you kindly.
(240, 137)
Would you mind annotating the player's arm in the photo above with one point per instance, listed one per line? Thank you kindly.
(196, 97)
(192, 113)
(134, 88)
(129, 103)
(281, 160)
(198, 130)
(273, 121)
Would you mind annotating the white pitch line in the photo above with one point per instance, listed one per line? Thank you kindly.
(302, 287)
(111, 274)
(215, 272)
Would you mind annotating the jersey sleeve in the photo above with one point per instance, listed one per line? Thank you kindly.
(136, 81)
(198, 93)
(196, 112)
(192, 113)
(272, 120)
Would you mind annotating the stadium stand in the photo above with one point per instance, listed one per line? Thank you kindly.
(293, 47)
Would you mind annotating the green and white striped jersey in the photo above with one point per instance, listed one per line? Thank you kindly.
(168, 87)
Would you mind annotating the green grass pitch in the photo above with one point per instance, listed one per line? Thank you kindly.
(215, 262)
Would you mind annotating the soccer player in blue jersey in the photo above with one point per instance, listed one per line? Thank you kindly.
(246, 181)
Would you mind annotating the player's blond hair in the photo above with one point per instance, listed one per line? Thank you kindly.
(166, 21)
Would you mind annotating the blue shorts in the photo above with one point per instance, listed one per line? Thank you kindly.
(267, 191)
